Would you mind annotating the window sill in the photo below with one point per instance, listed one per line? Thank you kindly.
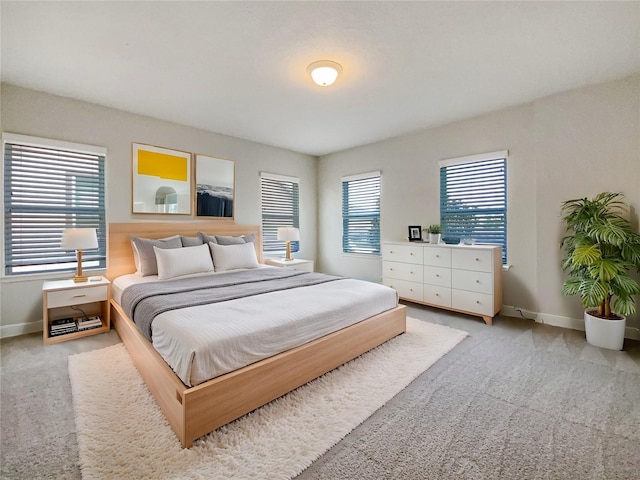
(372, 256)
(34, 277)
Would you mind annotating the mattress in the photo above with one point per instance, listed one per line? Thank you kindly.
(202, 342)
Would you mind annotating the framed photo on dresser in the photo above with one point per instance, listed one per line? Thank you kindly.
(415, 233)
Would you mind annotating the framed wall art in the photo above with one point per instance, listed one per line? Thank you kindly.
(161, 180)
(215, 186)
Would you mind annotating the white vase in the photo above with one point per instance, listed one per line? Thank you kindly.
(435, 238)
(604, 333)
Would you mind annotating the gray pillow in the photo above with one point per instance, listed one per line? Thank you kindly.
(223, 240)
(144, 255)
(207, 238)
(191, 241)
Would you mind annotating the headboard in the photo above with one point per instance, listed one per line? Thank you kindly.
(120, 254)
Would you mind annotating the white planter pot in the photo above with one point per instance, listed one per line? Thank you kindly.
(604, 333)
(435, 238)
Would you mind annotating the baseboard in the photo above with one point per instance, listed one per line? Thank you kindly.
(560, 321)
(20, 329)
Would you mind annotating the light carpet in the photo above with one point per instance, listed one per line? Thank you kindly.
(123, 434)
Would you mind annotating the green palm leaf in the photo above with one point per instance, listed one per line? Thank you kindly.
(586, 254)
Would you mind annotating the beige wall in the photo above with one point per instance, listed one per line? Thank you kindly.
(28, 112)
(569, 145)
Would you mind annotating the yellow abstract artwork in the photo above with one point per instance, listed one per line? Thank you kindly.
(162, 165)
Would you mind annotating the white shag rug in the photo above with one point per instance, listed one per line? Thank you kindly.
(122, 434)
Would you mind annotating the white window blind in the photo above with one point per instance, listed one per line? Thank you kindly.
(48, 188)
(361, 213)
(280, 196)
(473, 199)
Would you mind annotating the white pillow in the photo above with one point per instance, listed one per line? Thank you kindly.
(230, 257)
(175, 262)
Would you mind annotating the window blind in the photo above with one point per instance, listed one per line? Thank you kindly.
(280, 196)
(473, 202)
(361, 213)
(48, 189)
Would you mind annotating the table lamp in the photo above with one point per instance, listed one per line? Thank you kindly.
(288, 234)
(79, 239)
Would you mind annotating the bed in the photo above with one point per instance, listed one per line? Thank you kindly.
(193, 411)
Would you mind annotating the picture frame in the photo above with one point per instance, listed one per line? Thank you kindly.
(215, 186)
(160, 180)
(415, 233)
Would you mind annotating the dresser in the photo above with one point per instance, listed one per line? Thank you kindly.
(462, 278)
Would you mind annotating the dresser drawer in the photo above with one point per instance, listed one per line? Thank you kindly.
(480, 282)
(402, 253)
(472, 259)
(437, 256)
(405, 289)
(472, 302)
(402, 271)
(437, 276)
(76, 296)
(436, 295)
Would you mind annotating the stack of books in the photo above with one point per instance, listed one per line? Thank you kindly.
(87, 323)
(62, 326)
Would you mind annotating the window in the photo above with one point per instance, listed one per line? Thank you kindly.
(361, 213)
(49, 186)
(280, 208)
(473, 199)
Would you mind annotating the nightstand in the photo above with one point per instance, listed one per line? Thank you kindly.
(67, 307)
(295, 264)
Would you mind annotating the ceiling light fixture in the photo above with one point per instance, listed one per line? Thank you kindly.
(324, 72)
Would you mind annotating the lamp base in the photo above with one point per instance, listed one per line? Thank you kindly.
(79, 278)
(288, 257)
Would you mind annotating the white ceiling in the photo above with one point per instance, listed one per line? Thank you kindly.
(239, 68)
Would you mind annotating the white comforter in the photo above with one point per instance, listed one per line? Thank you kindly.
(203, 342)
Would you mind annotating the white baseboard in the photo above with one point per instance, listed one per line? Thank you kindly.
(20, 329)
(560, 321)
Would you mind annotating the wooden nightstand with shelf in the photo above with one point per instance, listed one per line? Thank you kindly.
(295, 264)
(65, 299)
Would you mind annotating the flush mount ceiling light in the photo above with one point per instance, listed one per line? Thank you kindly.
(324, 72)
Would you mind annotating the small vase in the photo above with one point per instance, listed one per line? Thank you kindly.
(435, 238)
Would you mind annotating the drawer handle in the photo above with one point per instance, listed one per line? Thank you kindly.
(437, 256)
(437, 275)
(411, 253)
(478, 302)
(477, 259)
(391, 269)
(437, 294)
(411, 289)
(410, 273)
(477, 281)
(390, 251)
(80, 296)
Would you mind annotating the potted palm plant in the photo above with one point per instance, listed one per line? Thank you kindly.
(600, 250)
(435, 233)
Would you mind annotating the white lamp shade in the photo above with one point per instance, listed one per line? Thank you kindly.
(324, 72)
(291, 234)
(79, 239)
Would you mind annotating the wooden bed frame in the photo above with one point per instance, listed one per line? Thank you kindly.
(195, 411)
